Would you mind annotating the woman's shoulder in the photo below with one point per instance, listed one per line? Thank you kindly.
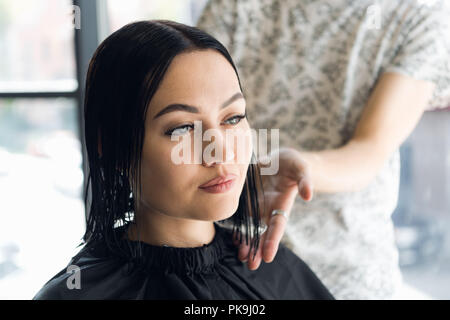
(286, 277)
(292, 274)
(85, 277)
(313, 287)
(53, 288)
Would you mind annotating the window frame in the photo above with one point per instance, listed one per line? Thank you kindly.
(86, 39)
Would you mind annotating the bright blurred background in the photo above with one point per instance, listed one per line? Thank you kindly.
(43, 59)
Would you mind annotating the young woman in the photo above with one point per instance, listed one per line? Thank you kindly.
(153, 229)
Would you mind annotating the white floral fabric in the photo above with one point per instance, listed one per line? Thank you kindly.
(308, 67)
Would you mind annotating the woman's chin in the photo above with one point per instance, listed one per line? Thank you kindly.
(218, 213)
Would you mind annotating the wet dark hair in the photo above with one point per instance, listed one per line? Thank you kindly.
(124, 74)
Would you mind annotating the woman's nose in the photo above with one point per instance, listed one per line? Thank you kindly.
(211, 150)
(229, 156)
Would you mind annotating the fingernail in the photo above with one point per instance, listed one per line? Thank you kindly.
(304, 193)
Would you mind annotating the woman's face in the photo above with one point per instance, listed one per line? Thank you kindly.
(206, 81)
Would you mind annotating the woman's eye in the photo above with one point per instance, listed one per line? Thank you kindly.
(236, 119)
(178, 131)
(184, 129)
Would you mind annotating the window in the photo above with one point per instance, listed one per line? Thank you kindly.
(41, 175)
(36, 46)
(422, 217)
(184, 11)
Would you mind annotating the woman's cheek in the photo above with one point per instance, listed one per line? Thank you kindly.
(178, 175)
(157, 161)
(243, 157)
(248, 146)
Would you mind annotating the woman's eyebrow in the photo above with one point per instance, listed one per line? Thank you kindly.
(184, 107)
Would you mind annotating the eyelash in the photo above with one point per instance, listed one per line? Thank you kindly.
(240, 117)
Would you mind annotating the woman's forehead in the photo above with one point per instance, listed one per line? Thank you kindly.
(197, 78)
(199, 70)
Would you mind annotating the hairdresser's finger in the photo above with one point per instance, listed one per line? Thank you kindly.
(305, 187)
(254, 263)
(274, 232)
(243, 251)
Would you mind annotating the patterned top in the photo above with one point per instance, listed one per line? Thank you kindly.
(308, 67)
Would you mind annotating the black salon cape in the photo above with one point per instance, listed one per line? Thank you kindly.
(212, 271)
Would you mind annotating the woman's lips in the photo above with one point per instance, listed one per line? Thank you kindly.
(218, 180)
(219, 184)
(221, 187)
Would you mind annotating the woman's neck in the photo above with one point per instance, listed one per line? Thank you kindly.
(159, 229)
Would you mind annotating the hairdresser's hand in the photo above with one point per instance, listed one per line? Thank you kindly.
(280, 190)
